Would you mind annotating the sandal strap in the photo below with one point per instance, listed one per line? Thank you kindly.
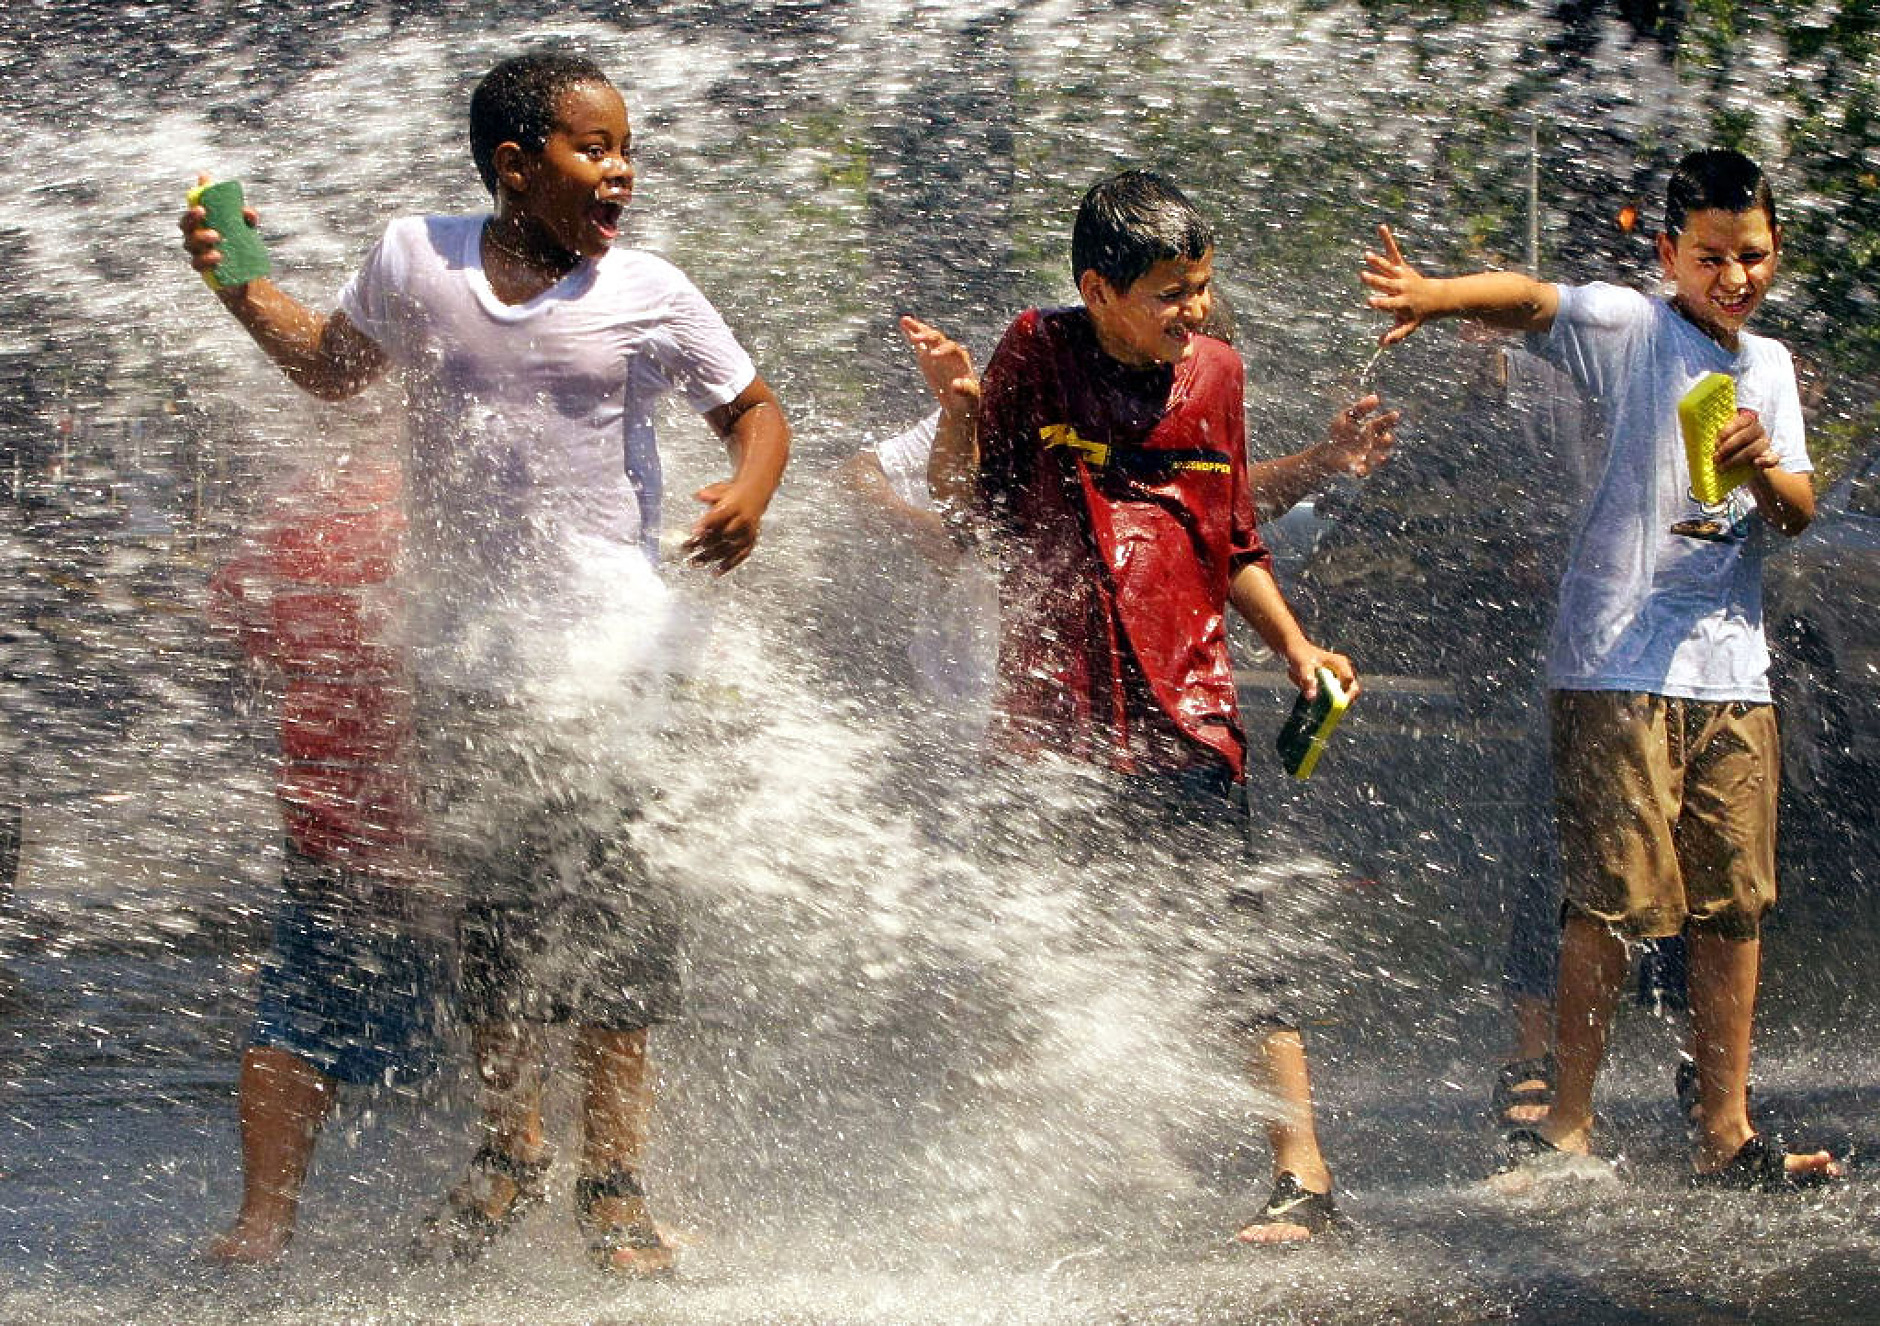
(1292, 1203)
(606, 1237)
(1509, 1077)
(530, 1176)
(1519, 1146)
(1759, 1165)
(616, 1182)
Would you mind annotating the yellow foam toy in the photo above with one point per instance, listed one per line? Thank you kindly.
(1310, 726)
(1703, 412)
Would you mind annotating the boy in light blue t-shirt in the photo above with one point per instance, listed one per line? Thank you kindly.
(1664, 738)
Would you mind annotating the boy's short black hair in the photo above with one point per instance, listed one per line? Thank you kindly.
(1716, 177)
(515, 103)
(1131, 221)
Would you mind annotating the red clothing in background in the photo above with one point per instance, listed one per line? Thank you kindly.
(1122, 500)
(312, 596)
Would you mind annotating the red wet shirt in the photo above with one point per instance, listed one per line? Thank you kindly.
(311, 597)
(1122, 500)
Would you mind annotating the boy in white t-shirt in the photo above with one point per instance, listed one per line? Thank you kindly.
(1664, 740)
(531, 351)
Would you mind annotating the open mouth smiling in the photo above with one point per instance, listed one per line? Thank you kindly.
(605, 216)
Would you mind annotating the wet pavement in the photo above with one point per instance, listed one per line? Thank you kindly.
(128, 986)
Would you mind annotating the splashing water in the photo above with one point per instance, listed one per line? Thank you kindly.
(935, 1065)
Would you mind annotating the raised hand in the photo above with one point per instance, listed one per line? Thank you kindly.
(1402, 291)
(945, 364)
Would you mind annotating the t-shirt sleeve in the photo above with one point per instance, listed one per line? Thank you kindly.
(1008, 397)
(904, 459)
(1245, 547)
(1781, 411)
(1592, 334)
(696, 351)
(370, 300)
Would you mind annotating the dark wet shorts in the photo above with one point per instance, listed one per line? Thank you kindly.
(571, 930)
(342, 988)
(561, 920)
(1234, 897)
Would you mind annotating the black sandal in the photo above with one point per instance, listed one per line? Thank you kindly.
(1761, 1165)
(1291, 1203)
(464, 1227)
(607, 1239)
(1509, 1092)
(1521, 1146)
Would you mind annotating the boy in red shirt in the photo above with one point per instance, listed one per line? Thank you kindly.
(348, 988)
(1109, 465)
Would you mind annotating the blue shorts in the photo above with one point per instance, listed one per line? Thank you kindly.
(341, 988)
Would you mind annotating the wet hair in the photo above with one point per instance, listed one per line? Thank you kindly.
(515, 103)
(1720, 178)
(1131, 221)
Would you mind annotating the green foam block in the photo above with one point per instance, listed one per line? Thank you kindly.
(244, 256)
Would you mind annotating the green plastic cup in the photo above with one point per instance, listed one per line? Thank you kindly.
(244, 256)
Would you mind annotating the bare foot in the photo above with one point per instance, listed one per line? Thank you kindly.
(1275, 1233)
(247, 1243)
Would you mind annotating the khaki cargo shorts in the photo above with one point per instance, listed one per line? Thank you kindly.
(1667, 811)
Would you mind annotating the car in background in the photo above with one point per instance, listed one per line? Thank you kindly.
(1823, 617)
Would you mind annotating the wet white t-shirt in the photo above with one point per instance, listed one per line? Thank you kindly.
(530, 428)
(1642, 608)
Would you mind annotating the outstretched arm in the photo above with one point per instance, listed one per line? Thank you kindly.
(953, 465)
(323, 354)
(1358, 440)
(1501, 299)
(1256, 597)
(758, 437)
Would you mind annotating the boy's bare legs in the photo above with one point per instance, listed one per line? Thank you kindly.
(509, 1067)
(1724, 978)
(618, 1100)
(284, 1100)
(1593, 965)
(1278, 1066)
(616, 1108)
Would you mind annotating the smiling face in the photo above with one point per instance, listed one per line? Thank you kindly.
(1722, 264)
(573, 191)
(1155, 320)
